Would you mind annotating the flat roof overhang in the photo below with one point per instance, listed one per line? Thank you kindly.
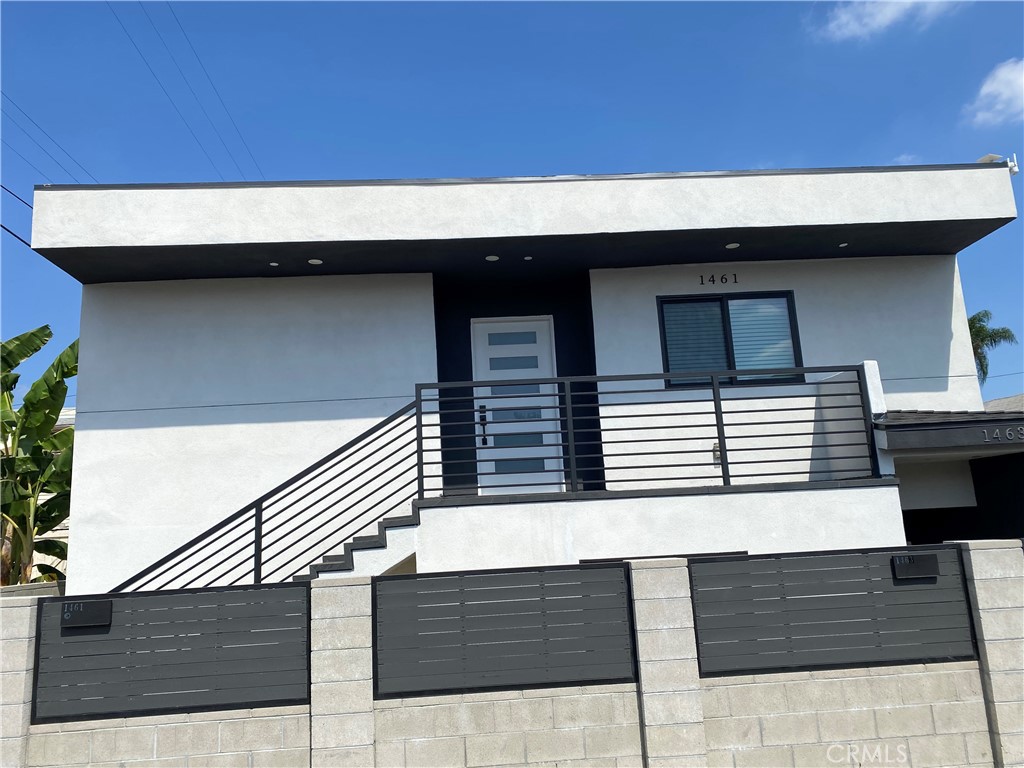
(164, 232)
(970, 434)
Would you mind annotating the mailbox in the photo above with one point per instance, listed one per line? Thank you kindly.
(86, 613)
(915, 566)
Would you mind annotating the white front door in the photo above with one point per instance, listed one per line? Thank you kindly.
(518, 430)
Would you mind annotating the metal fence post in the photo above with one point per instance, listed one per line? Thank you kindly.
(869, 427)
(257, 545)
(720, 424)
(420, 490)
(571, 438)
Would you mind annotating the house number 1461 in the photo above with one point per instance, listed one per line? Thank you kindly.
(723, 279)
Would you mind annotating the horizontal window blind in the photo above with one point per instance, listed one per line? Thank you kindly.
(695, 336)
(761, 335)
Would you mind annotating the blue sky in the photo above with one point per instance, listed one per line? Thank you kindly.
(379, 90)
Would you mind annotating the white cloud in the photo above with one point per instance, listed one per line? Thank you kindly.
(1001, 97)
(907, 158)
(867, 18)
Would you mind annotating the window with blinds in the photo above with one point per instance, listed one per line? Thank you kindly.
(742, 333)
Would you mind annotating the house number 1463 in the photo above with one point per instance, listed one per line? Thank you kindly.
(1007, 434)
(723, 279)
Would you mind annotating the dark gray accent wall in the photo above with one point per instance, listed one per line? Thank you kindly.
(176, 651)
(493, 630)
(782, 612)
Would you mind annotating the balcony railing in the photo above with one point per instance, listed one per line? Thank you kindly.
(642, 432)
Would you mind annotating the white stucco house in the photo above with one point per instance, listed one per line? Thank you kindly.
(286, 379)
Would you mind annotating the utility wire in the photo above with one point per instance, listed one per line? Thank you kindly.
(37, 125)
(36, 142)
(26, 160)
(219, 97)
(191, 90)
(5, 189)
(168, 95)
(15, 234)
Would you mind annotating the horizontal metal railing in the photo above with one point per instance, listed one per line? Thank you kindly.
(310, 515)
(607, 433)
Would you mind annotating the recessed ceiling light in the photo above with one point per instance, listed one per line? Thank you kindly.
(843, 245)
(315, 261)
(527, 258)
(274, 264)
(732, 246)
(491, 258)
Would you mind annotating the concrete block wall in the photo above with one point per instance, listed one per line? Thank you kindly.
(924, 715)
(995, 572)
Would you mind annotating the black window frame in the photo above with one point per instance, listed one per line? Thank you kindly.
(723, 299)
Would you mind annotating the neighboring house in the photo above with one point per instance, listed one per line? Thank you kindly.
(522, 371)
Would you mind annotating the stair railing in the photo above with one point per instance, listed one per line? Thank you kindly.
(306, 517)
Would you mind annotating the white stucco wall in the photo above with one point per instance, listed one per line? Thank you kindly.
(522, 207)
(935, 484)
(905, 312)
(198, 396)
(485, 536)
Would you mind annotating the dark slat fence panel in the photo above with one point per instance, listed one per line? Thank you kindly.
(493, 630)
(781, 612)
(178, 651)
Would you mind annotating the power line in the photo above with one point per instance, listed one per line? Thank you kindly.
(168, 95)
(36, 142)
(5, 189)
(191, 90)
(56, 143)
(219, 97)
(26, 160)
(15, 234)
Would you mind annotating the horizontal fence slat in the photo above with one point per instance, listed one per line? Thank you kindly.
(846, 608)
(175, 651)
(512, 629)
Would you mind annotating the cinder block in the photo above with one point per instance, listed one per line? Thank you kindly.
(578, 711)
(1006, 686)
(846, 725)
(17, 656)
(715, 702)
(554, 745)
(995, 564)
(226, 760)
(547, 693)
(179, 739)
(1001, 624)
(933, 751)
(769, 698)
(405, 723)
(432, 753)
(219, 715)
(1003, 655)
(15, 688)
(288, 711)
(676, 740)
(1009, 716)
(674, 613)
(777, 730)
(341, 633)
(905, 721)
(464, 719)
(295, 732)
(927, 688)
(126, 744)
(732, 732)
(1011, 747)
(389, 754)
(16, 623)
(251, 734)
(979, 748)
(968, 684)
(496, 749)
(291, 758)
(820, 755)
(662, 644)
(339, 698)
(485, 696)
(869, 692)
(58, 748)
(342, 665)
(763, 758)
(347, 757)
(668, 708)
(718, 758)
(609, 688)
(996, 593)
(520, 715)
(660, 676)
(960, 716)
(654, 583)
(333, 731)
(338, 602)
(782, 677)
(612, 741)
(815, 695)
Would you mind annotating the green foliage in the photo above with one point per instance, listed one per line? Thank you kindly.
(984, 338)
(35, 485)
